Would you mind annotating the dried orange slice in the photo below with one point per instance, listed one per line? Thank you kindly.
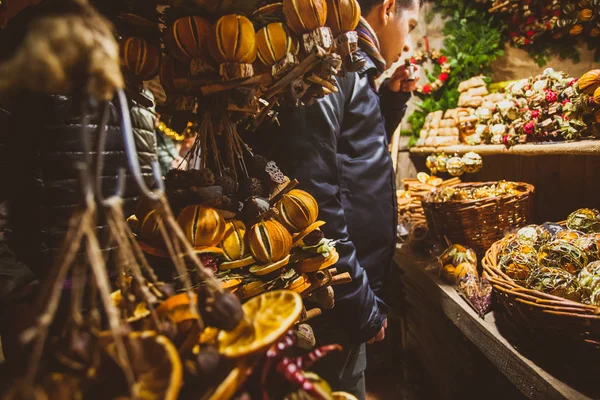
(141, 309)
(435, 181)
(342, 396)
(268, 317)
(156, 364)
(422, 177)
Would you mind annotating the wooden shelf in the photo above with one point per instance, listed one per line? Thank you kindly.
(532, 380)
(583, 148)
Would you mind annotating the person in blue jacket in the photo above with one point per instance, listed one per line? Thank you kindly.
(338, 150)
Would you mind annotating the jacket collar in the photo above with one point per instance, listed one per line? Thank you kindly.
(369, 66)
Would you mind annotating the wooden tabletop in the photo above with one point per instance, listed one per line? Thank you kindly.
(582, 147)
(528, 377)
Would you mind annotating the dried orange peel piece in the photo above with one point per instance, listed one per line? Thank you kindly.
(268, 317)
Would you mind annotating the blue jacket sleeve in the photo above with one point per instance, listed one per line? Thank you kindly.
(307, 149)
(393, 108)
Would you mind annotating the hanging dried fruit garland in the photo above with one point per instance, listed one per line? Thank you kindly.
(225, 70)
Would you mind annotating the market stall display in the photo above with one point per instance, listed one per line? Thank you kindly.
(478, 214)
(545, 277)
(548, 107)
(411, 216)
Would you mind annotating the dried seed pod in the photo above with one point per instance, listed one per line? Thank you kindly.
(305, 337)
(273, 42)
(342, 15)
(233, 40)
(303, 16)
(221, 310)
(187, 38)
(140, 58)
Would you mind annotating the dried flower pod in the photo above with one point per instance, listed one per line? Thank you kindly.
(187, 38)
(297, 210)
(269, 241)
(140, 58)
(233, 40)
(342, 15)
(203, 226)
(586, 220)
(303, 16)
(273, 42)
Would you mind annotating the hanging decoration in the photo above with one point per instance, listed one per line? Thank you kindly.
(563, 23)
(441, 61)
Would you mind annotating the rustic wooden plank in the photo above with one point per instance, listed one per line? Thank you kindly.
(570, 188)
(533, 381)
(591, 187)
(547, 192)
(583, 147)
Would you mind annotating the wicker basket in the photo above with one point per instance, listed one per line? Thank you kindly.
(479, 223)
(539, 313)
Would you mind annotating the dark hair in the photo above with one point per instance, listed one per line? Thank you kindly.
(367, 6)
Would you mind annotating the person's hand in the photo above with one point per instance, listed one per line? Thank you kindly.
(178, 163)
(399, 82)
(380, 335)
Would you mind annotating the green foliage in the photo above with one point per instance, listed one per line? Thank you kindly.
(473, 41)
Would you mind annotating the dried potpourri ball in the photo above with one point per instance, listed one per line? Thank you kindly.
(552, 229)
(431, 163)
(590, 245)
(228, 184)
(251, 186)
(569, 235)
(202, 177)
(175, 179)
(561, 254)
(257, 164)
(589, 280)
(555, 281)
(455, 166)
(586, 220)
(519, 262)
(472, 162)
(534, 235)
